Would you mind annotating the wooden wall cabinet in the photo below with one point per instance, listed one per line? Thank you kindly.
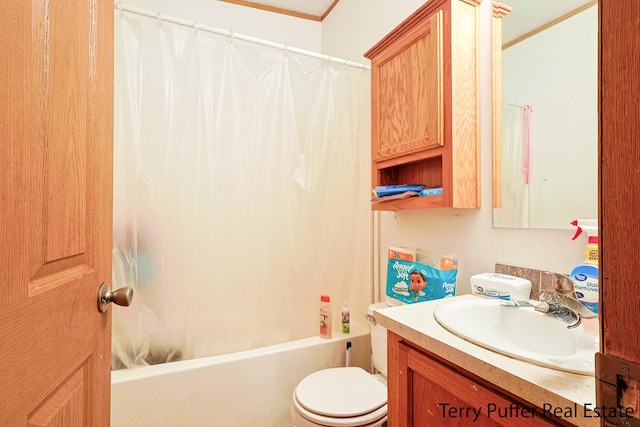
(425, 391)
(425, 109)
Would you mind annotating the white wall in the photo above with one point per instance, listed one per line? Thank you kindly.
(351, 29)
(354, 26)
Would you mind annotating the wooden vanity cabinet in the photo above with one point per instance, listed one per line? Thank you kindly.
(424, 104)
(426, 391)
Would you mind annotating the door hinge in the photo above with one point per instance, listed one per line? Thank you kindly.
(617, 391)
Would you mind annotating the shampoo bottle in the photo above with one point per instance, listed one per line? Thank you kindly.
(325, 316)
(345, 318)
(585, 275)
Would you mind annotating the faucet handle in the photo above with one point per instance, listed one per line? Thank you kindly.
(563, 284)
(564, 294)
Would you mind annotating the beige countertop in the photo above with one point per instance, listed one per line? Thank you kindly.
(541, 386)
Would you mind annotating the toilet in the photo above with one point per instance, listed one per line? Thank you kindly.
(349, 396)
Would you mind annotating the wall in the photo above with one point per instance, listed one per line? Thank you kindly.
(354, 26)
(350, 30)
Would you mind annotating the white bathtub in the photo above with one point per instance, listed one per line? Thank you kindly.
(249, 388)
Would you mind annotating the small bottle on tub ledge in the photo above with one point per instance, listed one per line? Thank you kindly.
(325, 316)
(346, 316)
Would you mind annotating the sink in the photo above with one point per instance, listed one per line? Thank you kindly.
(521, 332)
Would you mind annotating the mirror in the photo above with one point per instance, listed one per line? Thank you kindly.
(546, 155)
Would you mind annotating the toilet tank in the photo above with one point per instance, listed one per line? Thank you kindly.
(378, 341)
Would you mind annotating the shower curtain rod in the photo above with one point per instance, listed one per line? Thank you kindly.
(200, 27)
(511, 104)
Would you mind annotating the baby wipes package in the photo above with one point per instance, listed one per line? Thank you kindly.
(501, 286)
(414, 276)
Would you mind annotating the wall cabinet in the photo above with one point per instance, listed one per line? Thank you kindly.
(424, 103)
(426, 391)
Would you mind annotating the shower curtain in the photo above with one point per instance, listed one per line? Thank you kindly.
(241, 191)
(516, 167)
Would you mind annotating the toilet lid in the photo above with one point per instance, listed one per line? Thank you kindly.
(341, 392)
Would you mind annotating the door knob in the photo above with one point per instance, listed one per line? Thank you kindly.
(122, 296)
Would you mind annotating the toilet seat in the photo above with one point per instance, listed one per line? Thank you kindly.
(341, 397)
(309, 419)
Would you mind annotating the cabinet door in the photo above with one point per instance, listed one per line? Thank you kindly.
(407, 92)
(428, 393)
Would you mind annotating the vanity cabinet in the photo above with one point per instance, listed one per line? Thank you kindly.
(424, 390)
(424, 105)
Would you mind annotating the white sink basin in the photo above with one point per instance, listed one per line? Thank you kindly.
(521, 332)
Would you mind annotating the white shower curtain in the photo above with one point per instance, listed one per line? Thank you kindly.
(516, 167)
(241, 191)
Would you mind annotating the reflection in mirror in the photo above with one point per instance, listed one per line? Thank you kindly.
(547, 159)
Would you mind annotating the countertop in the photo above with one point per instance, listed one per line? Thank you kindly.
(538, 385)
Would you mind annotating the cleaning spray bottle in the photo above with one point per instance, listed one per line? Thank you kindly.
(585, 275)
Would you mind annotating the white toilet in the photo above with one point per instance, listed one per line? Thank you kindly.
(346, 396)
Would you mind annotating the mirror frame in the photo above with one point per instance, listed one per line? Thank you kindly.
(500, 10)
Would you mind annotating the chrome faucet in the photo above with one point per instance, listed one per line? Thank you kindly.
(562, 303)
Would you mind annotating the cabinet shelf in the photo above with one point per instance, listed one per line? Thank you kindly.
(410, 203)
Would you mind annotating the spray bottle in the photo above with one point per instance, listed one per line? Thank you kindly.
(585, 275)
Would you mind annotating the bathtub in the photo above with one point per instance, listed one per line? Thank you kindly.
(249, 388)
